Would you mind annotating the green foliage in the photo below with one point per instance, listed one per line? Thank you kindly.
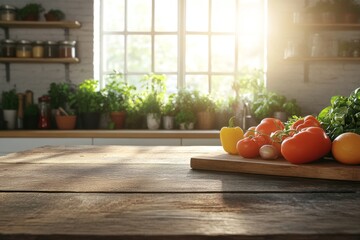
(30, 9)
(204, 103)
(60, 15)
(117, 93)
(153, 94)
(9, 100)
(249, 84)
(343, 115)
(87, 98)
(60, 94)
(169, 107)
(266, 103)
(31, 110)
(185, 116)
(185, 106)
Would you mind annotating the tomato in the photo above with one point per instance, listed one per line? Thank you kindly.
(346, 148)
(248, 148)
(277, 145)
(268, 125)
(250, 132)
(308, 121)
(308, 145)
(262, 140)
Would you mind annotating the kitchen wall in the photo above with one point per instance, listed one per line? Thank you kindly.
(287, 78)
(37, 77)
(325, 78)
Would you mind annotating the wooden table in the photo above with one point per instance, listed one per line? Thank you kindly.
(115, 192)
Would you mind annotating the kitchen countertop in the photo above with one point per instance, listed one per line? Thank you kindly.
(143, 192)
(110, 133)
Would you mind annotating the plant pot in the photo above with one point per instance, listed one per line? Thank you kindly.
(168, 122)
(90, 120)
(153, 121)
(186, 126)
(10, 117)
(205, 120)
(51, 17)
(65, 122)
(118, 118)
(31, 17)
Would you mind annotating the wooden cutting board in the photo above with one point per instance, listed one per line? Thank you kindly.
(322, 169)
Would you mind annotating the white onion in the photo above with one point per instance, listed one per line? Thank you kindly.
(268, 152)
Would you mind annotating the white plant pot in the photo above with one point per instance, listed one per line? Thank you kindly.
(186, 126)
(10, 118)
(153, 121)
(168, 122)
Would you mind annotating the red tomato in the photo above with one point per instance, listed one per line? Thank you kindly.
(277, 145)
(269, 125)
(308, 145)
(308, 121)
(248, 148)
(250, 132)
(262, 140)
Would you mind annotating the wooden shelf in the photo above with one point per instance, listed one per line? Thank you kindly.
(332, 27)
(40, 24)
(39, 60)
(322, 59)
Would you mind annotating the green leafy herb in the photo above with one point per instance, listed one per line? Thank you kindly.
(343, 115)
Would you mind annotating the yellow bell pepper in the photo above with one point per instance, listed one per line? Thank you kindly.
(229, 136)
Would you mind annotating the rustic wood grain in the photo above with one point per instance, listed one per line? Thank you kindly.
(323, 169)
(118, 192)
(167, 215)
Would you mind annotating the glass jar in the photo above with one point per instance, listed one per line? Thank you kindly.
(51, 49)
(44, 116)
(7, 13)
(67, 49)
(38, 49)
(23, 49)
(8, 48)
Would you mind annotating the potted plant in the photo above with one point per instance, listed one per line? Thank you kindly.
(205, 111)
(88, 102)
(10, 104)
(30, 12)
(168, 112)
(153, 97)
(117, 95)
(54, 15)
(65, 120)
(185, 116)
(31, 116)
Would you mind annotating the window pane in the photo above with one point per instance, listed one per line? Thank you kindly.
(166, 15)
(197, 15)
(135, 80)
(222, 53)
(114, 12)
(171, 83)
(251, 52)
(139, 53)
(166, 53)
(221, 87)
(139, 15)
(223, 15)
(197, 82)
(113, 53)
(197, 53)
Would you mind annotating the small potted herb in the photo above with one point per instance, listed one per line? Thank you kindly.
(168, 112)
(30, 12)
(10, 104)
(31, 115)
(205, 111)
(54, 15)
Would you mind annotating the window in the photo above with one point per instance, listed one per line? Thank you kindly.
(197, 44)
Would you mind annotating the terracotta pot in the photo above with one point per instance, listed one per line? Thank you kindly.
(65, 122)
(118, 118)
(205, 120)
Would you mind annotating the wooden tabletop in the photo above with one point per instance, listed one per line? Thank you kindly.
(117, 192)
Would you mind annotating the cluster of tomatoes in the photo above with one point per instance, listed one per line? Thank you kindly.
(302, 142)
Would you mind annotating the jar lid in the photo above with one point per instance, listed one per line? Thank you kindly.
(51, 42)
(24, 42)
(38, 42)
(68, 43)
(7, 7)
(8, 41)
